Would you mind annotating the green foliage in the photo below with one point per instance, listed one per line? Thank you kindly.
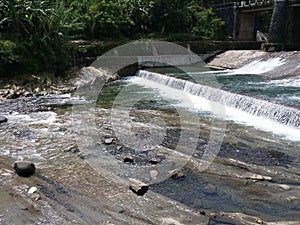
(7, 55)
(38, 30)
(208, 25)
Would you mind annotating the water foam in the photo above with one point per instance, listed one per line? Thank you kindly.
(258, 67)
(267, 116)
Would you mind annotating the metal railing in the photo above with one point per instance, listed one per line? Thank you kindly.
(243, 3)
(251, 3)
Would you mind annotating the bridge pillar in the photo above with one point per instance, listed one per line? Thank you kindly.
(294, 25)
(247, 26)
(279, 22)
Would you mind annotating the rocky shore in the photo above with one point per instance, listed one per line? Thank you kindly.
(67, 188)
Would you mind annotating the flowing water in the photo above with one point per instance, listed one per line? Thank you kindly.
(246, 125)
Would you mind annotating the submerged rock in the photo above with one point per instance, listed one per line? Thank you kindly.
(24, 168)
(138, 187)
(3, 119)
(210, 189)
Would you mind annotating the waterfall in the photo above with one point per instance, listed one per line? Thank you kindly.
(278, 113)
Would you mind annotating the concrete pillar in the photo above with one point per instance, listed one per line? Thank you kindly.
(293, 24)
(247, 26)
(279, 22)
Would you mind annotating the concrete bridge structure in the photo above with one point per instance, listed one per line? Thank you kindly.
(241, 18)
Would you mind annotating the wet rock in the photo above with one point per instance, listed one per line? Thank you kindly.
(108, 141)
(24, 168)
(176, 174)
(3, 119)
(138, 187)
(128, 159)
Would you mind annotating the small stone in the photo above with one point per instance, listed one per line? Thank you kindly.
(259, 221)
(202, 213)
(108, 141)
(153, 174)
(32, 190)
(3, 119)
(119, 147)
(24, 168)
(122, 211)
(176, 174)
(80, 155)
(155, 160)
(128, 159)
(284, 187)
(138, 187)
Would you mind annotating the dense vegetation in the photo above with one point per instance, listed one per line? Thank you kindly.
(34, 33)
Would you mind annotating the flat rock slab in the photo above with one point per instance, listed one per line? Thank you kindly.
(24, 168)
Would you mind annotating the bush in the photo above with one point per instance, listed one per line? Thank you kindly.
(208, 25)
(8, 55)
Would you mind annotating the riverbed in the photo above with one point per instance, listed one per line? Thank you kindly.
(79, 145)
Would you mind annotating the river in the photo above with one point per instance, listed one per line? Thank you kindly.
(233, 133)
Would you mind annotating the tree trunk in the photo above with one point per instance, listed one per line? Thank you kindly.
(278, 26)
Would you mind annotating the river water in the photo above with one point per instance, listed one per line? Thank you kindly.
(236, 138)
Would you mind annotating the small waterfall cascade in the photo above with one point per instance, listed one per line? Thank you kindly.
(285, 115)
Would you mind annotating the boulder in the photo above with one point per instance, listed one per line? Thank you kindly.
(138, 187)
(3, 119)
(24, 168)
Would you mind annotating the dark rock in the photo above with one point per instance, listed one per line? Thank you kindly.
(128, 70)
(128, 159)
(24, 168)
(80, 155)
(108, 141)
(202, 213)
(138, 187)
(176, 174)
(122, 211)
(3, 119)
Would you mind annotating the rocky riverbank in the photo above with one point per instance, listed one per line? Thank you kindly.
(68, 188)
